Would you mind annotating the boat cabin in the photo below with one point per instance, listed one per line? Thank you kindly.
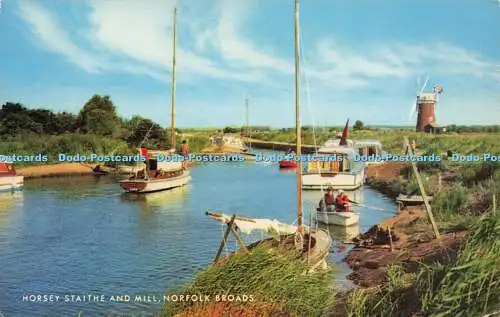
(160, 164)
(332, 160)
(368, 147)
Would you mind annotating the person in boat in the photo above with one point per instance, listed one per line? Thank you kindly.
(342, 202)
(328, 200)
(184, 149)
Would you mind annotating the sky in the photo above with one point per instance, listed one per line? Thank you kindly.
(360, 59)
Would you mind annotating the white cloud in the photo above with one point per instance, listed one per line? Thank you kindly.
(54, 38)
(135, 37)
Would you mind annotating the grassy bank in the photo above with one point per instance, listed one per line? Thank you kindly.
(277, 283)
(440, 281)
(468, 285)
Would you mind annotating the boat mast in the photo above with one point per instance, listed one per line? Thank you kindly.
(247, 121)
(297, 119)
(174, 43)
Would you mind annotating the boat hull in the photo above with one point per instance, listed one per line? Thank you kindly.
(288, 164)
(11, 182)
(342, 180)
(154, 185)
(344, 219)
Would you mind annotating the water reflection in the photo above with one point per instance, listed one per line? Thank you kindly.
(71, 188)
(9, 203)
(341, 233)
(10, 200)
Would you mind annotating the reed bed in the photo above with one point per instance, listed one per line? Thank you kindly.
(276, 280)
(466, 286)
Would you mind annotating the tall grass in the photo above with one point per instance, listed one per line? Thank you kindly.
(385, 300)
(471, 285)
(468, 285)
(279, 280)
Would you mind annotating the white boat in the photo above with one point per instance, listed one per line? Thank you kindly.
(338, 168)
(9, 180)
(369, 151)
(163, 170)
(345, 219)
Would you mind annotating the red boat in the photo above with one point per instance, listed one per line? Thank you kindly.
(288, 164)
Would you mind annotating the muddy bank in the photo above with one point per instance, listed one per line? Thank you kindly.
(55, 170)
(412, 242)
(406, 238)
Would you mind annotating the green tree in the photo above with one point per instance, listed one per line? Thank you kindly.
(358, 125)
(98, 116)
(144, 130)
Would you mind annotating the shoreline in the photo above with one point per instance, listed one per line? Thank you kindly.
(56, 170)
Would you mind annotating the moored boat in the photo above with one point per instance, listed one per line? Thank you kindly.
(288, 164)
(409, 200)
(284, 236)
(341, 218)
(9, 180)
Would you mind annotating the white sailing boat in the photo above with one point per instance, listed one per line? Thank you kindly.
(314, 244)
(163, 169)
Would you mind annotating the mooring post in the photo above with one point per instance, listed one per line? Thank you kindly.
(494, 202)
(224, 240)
(390, 238)
(422, 190)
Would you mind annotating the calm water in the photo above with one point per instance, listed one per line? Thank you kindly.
(83, 236)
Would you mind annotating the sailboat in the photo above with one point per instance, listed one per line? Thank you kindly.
(314, 244)
(163, 169)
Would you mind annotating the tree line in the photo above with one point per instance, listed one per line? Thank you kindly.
(98, 117)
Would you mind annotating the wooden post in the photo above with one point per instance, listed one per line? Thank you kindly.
(494, 202)
(390, 238)
(440, 182)
(422, 191)
(224, 240)
(240, 242)
(309, 242)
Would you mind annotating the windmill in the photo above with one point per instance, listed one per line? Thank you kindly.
(424, 106)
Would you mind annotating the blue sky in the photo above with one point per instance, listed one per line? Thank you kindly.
(362, 59)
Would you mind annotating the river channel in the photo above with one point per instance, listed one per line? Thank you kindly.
(83, 235)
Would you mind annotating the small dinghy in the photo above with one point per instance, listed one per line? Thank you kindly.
(338, 218)
(288, 164)
(412, 199)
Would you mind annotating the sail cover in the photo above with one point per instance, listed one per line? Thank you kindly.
(247, 225)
